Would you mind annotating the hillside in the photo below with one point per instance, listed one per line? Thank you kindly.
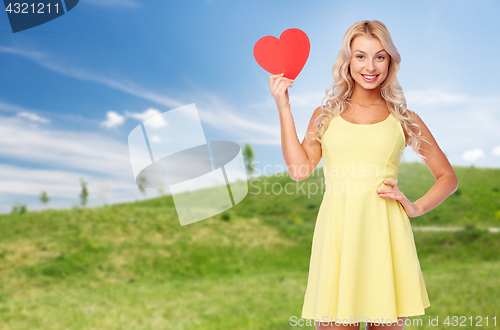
(132, 266)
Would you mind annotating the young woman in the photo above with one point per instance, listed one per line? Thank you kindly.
(364, 265)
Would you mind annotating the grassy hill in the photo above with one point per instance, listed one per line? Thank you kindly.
(132, 266)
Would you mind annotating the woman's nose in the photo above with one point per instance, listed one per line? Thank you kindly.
(370, 66)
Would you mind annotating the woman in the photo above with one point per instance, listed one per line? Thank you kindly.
(364, 265)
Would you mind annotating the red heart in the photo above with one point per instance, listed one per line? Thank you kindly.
(287, 55)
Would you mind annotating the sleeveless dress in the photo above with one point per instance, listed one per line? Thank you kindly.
(364, 265)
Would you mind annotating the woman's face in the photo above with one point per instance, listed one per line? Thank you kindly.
(369, 62)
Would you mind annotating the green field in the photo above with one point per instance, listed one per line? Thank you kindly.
(132, 266)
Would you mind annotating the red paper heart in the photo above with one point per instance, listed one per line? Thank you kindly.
(287, 55)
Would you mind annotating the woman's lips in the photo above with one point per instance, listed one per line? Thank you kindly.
(370, 80)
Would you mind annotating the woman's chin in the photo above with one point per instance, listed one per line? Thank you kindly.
(365, 85)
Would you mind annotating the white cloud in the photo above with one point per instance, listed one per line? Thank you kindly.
(464, 130)
(434, 96)
(252, 126)
(58, 183)
(113, 119)
(496, 151)
(33, 117)
(310, 100)
(210, 107)
(473, 155)
(9, 107)
(155, 138)
(66, 156)
(13, 108)
(60, 149)
(25, 184)
(149, 113)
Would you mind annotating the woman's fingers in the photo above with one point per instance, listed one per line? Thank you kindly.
(273, 77)
(280, 85)
(391, 183)
(391, 192)
(276, 78)
(388, 194)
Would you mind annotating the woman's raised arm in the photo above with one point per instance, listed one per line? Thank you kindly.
(301, 159)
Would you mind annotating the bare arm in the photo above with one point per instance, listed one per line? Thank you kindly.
(301, 159)
(446, 179)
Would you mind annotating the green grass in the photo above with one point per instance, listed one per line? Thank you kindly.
(476, 201)
(132, 266)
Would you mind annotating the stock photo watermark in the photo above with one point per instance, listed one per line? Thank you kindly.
(347, 179)
(26, 14)
(170, 151)
(206, 178)
(431, 321)
(325, 320)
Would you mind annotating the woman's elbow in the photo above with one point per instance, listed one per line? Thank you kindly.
(299, 175)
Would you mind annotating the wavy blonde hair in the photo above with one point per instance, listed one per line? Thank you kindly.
(390, 89)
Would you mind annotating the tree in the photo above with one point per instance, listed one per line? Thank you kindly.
(161, 188)
(141, 183)
(19, 208)
(84, 194)
(104, 188)
(248, 156)
(44, 197)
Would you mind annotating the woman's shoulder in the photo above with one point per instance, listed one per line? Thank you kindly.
(417, 120)
(316, 113)
(413, 114)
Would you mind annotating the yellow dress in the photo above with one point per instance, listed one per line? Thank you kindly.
(364, 265)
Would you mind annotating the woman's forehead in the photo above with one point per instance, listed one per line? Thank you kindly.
(366, 43)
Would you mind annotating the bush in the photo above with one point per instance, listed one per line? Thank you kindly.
(227, 216)
(470, 233)
(19, 208)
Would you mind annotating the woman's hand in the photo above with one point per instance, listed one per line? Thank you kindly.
(279, 88)
(410, 208)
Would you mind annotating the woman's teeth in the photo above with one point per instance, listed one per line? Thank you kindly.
(370, 77)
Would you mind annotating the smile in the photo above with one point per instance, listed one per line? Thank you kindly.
(370, 78)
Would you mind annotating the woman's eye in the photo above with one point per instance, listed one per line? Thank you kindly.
(381, 57)
(359, 56)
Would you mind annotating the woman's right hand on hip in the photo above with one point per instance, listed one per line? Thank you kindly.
(279, 88)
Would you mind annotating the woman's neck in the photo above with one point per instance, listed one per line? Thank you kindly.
(367, 97)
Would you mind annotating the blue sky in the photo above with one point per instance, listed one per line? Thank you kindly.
(71, 90)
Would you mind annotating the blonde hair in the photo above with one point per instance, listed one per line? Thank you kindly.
(390, 89)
